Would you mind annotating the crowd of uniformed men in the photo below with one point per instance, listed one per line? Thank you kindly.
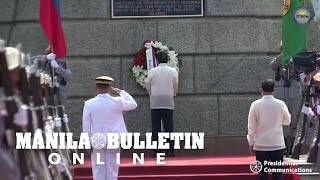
(32, 98)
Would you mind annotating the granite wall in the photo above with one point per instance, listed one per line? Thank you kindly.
(225, 55)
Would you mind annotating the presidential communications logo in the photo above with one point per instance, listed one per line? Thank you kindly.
(278, 167)
(302, 15)
(256, 167)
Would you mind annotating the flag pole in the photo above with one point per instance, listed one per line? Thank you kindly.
(52, 69)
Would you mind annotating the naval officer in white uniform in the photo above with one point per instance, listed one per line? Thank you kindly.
(103, 114)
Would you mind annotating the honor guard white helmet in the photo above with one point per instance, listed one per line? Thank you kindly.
(13, 56)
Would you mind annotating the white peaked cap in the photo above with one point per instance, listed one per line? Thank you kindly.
(316, 77)
(13, 56)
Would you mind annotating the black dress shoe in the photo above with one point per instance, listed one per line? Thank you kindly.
(170, 154)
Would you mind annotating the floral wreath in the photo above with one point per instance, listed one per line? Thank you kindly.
(140, 64)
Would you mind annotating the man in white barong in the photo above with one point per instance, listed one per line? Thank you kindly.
(266, 119)
(101, 115)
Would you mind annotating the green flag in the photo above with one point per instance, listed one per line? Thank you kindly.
(294, 35)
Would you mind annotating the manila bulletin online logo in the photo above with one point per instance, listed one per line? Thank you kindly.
(302, 15)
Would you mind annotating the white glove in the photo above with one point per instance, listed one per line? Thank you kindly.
(51, 56)
(21, 117)
(311, 113)
(48, 128)
(3, 110)
(306, 110)
(318, 109)
(54, 64)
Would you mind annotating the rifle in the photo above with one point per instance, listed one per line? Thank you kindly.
(38, 117)
(60, 107)
(297, 148)
(47, 91)
(313, 153)
(59, 117)
(62, 113)
(25, 97)
(54, 119)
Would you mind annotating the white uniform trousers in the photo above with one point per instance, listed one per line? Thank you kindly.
(107, 169)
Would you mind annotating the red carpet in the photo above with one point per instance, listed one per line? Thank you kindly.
(187, 168)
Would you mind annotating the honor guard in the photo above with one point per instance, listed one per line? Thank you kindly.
(289, 91)
(47, 63)
(101, 115)
(23, 114)
(13, 56)
(9, 168)
(312, 112)
(311, 142)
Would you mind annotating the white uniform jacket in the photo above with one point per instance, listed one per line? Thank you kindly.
(104, 113)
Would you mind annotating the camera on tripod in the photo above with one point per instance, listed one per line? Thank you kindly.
(306, 62)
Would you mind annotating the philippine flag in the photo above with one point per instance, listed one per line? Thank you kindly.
(49, 18)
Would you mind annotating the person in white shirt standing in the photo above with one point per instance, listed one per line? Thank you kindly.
(101, 115)
(265, 129)
(162, 86)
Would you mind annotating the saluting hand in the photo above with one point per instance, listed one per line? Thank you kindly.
(115, 90)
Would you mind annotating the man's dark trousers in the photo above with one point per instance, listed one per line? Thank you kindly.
(270, 156)
(166, 115)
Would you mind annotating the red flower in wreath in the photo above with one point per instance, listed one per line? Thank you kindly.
(140, 58)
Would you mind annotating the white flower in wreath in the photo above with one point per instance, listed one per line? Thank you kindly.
(171, 64)
(141, 79)
(157, 45)
(145, 73)
(164, 48)
(136, 70)
(172, 54)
